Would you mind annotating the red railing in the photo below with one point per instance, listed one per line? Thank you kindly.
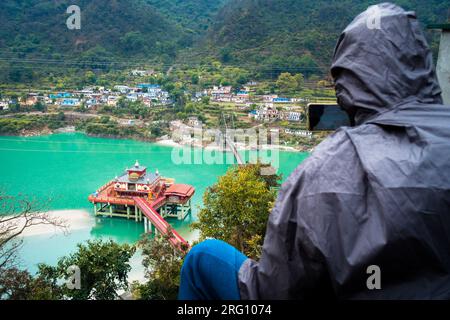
(162, 225)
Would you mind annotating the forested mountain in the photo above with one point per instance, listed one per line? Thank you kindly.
(268, 36)
(131, 27)
(193, 15)
(294, 34)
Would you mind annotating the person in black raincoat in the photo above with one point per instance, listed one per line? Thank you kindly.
(372, 199)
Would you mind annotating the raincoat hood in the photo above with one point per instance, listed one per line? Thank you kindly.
(381, 60)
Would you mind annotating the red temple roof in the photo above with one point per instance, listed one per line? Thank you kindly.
(182, 190)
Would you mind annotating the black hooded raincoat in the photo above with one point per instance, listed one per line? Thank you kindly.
(377, 193)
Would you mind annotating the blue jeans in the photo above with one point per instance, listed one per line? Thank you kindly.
(210, 272)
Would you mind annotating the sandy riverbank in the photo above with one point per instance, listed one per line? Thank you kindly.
(213, 147)
(73, 219)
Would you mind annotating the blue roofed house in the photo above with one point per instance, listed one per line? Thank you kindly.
(281, 100)
(70, 103)
(241, 96)
(148, 86)
(60, 95)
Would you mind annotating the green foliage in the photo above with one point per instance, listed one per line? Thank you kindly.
(158, 129)
(128, 107)
(162, 268)
(18, 284)
(271, 37)
(39, 106)
(105, 126)
(20, 124)
(237, 207)
(104, 267)
(288, 83)
(284, 36)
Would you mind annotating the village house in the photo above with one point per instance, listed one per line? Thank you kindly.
(299, 100)
(60, 95)
(269, 97)
(265, 113)
(122, 89)
(31, 99)
(112, 101)
(133, 97)
(241, 97)
(153, 92)
(299, 133)
(194, 122)
(221, 94)
(197, 96)
(70, 102)
(251, 83)
(142, 73)
(281, 100)
(90, 103)
(4, 105)
(292, 116)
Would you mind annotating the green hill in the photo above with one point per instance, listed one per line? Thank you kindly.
(195, 16)
(264, 36)
(124, 27)
(297, 35)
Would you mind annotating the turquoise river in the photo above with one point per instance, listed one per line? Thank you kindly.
(66, 168)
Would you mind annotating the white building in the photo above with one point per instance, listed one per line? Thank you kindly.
(4, 105)
(112, 101)
(299, 133)
(194, 122)
(294, 116)
(122, 89)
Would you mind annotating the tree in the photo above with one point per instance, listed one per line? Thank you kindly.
(237, 207)
(286, 82)
(162, 268)
(195, 79)
(300, 80)
(104, 267)
(226, 55)
(18, 284)
(206, 100)
(90, 77)
(39, 106)
(18, 213)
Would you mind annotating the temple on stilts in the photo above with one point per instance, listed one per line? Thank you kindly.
(146, 197)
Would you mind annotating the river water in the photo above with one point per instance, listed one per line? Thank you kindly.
(66, 168)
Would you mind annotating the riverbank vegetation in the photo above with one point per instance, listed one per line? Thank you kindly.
(31, 124)
(107, 127)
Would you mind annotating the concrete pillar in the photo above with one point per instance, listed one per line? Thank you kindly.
(443, 62)
(110, 211)
(180, 213)
(145, 225)
(443, 65)
(136, 213)
(95, 208)
(128, 212)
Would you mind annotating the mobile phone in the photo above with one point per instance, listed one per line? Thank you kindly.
(326, 117)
